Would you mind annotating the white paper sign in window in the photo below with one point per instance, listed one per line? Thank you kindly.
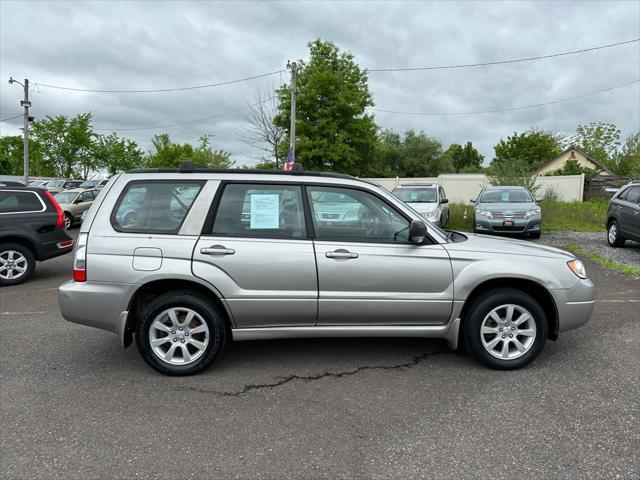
(265, 211)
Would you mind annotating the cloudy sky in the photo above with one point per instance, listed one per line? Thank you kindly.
(156, 45)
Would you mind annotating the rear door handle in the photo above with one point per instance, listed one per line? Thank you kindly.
(217, 250)
(341, 253)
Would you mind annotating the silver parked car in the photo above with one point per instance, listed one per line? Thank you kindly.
(428, 199)
(218, 255)
(507, 210)
(74, 203)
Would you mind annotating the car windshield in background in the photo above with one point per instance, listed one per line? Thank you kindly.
(55, 183)
(516, 195)
(89, 184)
(417, 195)
(66, 197)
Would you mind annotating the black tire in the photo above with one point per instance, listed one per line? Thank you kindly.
(130, 218)
(481, 307)
(68, 220)
(618, 240)
(534, 235)
(184, 299)
(28, 257)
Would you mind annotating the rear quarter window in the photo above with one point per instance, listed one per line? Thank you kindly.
(12, 201)
(154, 206)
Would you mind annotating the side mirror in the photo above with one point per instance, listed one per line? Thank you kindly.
(472, 200)
(444, 200)
(78, 200)
(539, 199)
(417, 231)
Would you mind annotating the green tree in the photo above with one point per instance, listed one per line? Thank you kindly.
(422, 156)
(600, 141)
(67, 144)
(333, 131)
(11, 158)
(115, 154)
(389, 152)
(515, 172)
(168, 154)
(627, 160)
(464, 159)
(532, 149)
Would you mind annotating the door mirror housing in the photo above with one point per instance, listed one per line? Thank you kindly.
(417, 231)
(444, 200)
(472, 200)
(539, 199)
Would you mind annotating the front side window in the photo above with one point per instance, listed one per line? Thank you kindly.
(14, 202)
(269, 211)
(154, 206)
(89, 196)
(632, 195)
(358, 217)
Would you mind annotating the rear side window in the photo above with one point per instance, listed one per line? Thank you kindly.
(268, 211)
(154, 206)
(12, 201)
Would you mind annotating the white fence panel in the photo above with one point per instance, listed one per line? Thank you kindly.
(462, 187)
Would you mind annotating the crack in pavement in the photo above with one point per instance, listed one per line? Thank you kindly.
(308, 378)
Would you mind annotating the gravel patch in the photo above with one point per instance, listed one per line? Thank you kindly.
(595, 242)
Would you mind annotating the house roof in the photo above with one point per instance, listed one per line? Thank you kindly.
(584, 154)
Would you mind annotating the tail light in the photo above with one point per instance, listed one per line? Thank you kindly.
(60, 220)
(80, 259)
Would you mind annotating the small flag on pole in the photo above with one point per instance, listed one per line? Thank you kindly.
(288, 163)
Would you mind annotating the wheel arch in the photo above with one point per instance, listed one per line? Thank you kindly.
(154, 288)
(24, 241)
(536, 290)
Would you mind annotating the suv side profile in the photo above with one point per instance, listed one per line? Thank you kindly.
(212, 256)
(31, 229)
(623, 215)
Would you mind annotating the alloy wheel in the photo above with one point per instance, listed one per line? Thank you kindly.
(179, 336)
(508, 331)
(613, 233)
(13, 264)
(67, 222)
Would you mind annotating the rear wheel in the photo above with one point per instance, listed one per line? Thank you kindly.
(67, 220)
(180, 333)
(613, 234)
(17, 263)
(505, 329)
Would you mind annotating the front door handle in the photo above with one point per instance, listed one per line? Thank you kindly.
(217, 250)
(341, 253)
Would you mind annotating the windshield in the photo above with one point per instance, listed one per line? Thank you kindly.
(417, 195)
(517, 195)
(66, 197)
(88, 184)
(55, 183)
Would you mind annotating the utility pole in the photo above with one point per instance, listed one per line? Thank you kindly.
(25, 130)
(294, 93)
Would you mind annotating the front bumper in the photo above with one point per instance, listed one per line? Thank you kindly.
(488, 225)
(575, 305)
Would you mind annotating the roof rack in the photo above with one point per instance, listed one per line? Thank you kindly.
(189, 167)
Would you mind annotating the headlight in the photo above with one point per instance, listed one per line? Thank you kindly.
(431, 215)
(531, 213)
(577, 267)
(484, 213)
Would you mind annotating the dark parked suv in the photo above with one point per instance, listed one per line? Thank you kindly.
(623, 216)
(31, 229)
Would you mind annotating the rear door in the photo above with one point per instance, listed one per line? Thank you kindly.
(258, 254)
(368, 271)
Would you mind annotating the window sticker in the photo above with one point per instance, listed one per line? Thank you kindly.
(505, 196)
(265, 211)
(414, 195)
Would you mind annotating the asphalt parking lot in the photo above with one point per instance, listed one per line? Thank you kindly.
(74, 405)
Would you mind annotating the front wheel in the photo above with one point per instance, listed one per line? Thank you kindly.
(505, 329)
(613, 235)
(180, 333)
(535, 235)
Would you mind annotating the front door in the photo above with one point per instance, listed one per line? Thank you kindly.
(260, 257)
(368, 271)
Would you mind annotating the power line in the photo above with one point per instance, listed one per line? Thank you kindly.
(501, 62)
(11, 118)
(156, 127)
(176, 89)
(505, 109)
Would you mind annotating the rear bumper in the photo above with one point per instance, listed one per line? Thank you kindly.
(95, 304)
(49, 248)
(575, 305)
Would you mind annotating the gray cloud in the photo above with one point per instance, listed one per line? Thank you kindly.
(144, 44)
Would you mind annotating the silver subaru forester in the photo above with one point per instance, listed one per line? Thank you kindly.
(185, 260)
